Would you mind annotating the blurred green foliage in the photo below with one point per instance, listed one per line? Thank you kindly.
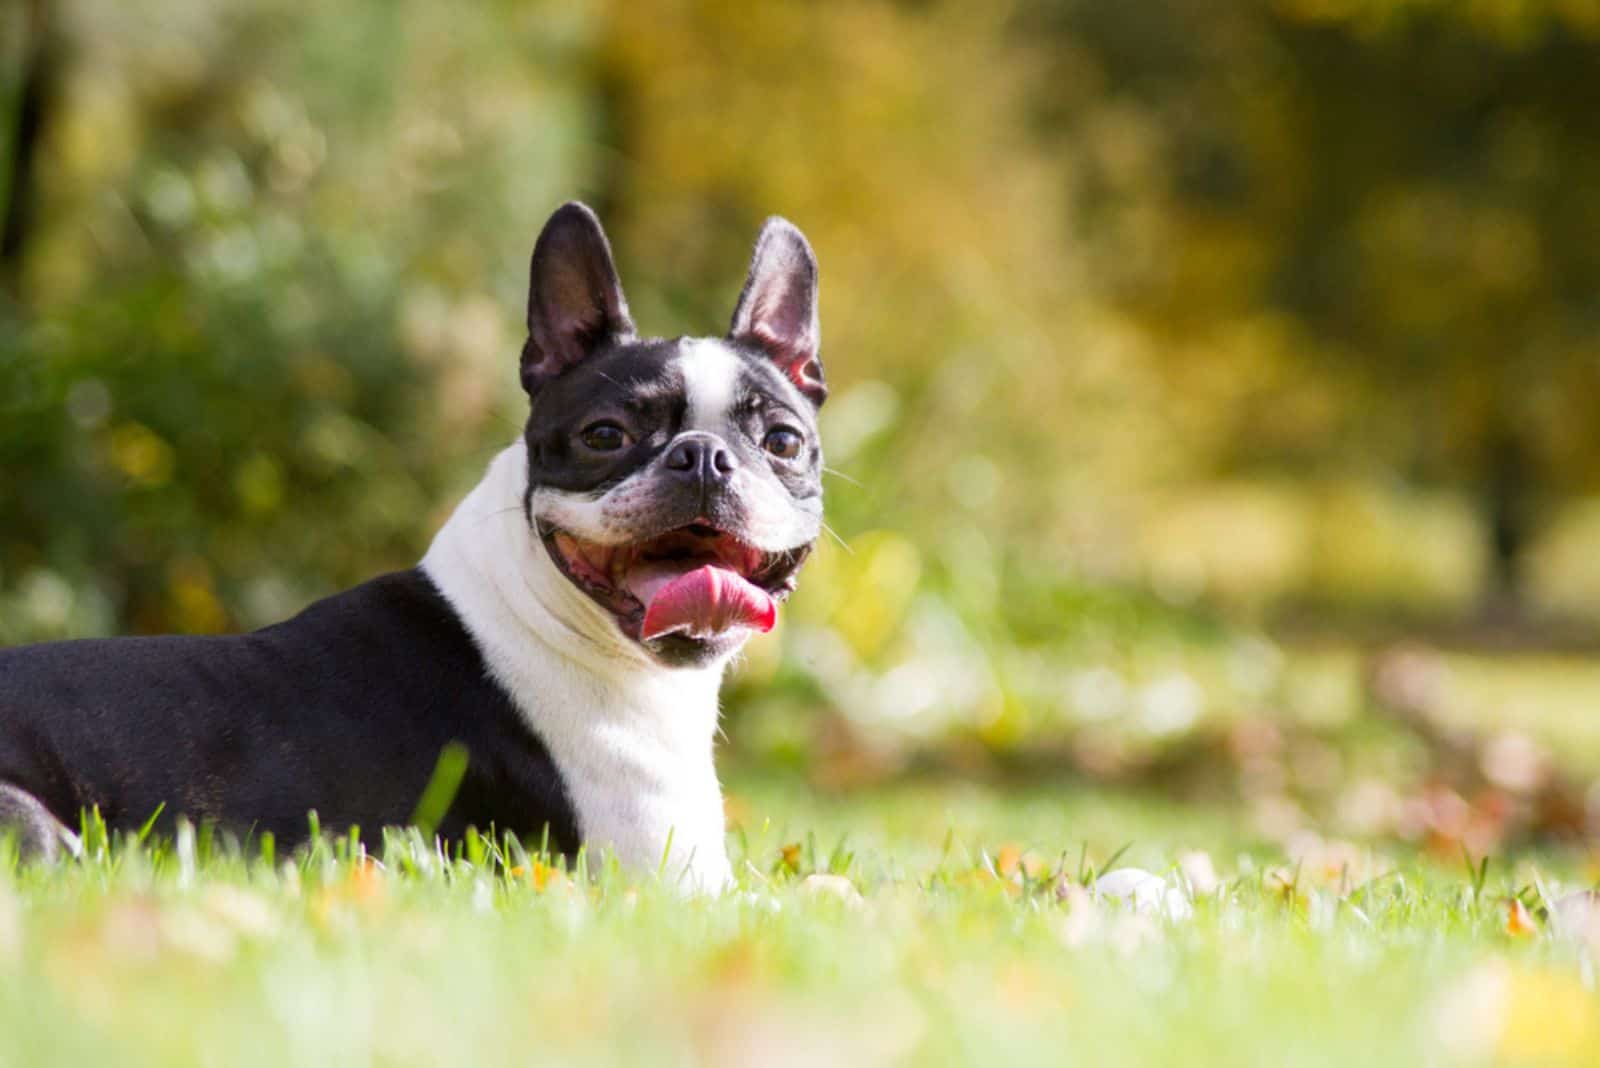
(1133, 313)
(265, 300)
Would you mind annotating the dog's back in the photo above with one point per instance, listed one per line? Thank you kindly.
(348, 704)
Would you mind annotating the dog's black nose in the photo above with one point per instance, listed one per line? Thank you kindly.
(702, 458)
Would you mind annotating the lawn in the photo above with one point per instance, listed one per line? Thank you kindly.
(973, 940)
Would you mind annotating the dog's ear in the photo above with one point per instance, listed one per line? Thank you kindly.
(575, 301)
(777, 310)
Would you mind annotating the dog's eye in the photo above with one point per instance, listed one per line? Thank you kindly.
(604, 437)
(783, 442)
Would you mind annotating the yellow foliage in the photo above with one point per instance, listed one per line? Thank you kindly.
(865, 591)
(1548, 1015)
(140, 454)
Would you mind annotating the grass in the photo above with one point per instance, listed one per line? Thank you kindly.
(966, 946)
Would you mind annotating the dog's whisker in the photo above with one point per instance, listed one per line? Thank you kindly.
(501, 417)
(499, 512)
(836, 473)
(835, 535)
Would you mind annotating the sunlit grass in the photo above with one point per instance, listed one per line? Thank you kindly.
(973, 940)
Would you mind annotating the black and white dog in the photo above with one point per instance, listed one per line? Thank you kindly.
(569, 625)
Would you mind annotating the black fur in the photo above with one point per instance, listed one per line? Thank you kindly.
(343, 709)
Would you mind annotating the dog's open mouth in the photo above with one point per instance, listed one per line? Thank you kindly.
(695, 581)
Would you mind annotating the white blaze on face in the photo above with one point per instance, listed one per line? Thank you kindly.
(711, 378)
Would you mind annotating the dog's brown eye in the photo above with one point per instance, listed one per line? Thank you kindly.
(604, 437)
(783, 442)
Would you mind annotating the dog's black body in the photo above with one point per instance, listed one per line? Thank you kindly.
(351, 702)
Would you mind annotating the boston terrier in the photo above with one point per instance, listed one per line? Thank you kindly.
(569, 626)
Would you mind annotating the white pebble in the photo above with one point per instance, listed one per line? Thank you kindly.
(1144, 893)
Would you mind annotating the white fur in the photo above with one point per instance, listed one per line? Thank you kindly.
(710, 376)
(604, 520)
(631, 738)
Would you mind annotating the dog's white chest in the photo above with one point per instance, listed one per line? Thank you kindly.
(632, 740)
(654, 804)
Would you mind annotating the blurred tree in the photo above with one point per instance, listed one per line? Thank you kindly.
(38, 65)
(1365, 234)
(895, 135)
(272, 276)
(268, 295)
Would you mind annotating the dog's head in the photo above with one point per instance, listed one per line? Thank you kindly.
(677, 483)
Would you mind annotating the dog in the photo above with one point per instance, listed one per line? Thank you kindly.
(568, 627)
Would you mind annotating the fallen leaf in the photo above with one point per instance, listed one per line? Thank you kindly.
(1519, 922)
(1008, 861)
(366, 880)
(542, 876)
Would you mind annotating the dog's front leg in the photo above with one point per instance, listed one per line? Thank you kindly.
(675, 831)
(690, 855)
(706, 871)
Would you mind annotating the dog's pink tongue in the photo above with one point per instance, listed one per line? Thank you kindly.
(703, 602)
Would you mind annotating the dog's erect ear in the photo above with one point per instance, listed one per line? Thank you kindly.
(575, 301)
(778, 309)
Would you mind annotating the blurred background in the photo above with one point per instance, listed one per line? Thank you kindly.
(1213, 383)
